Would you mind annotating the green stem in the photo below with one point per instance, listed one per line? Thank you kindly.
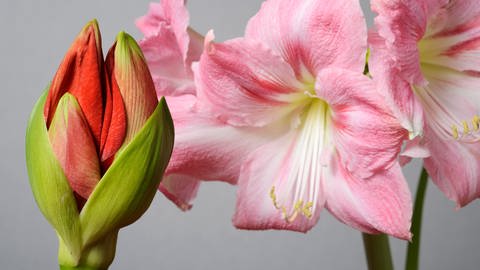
(377, 250)
(413, 248)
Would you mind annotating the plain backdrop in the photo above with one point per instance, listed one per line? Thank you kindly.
(34, 37)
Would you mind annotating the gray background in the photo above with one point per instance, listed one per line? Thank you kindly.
(35, 36)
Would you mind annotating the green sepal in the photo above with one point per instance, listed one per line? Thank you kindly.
(49, 184)
(129, 185)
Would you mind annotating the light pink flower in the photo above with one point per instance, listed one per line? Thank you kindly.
(427, 53)
(170, 47)
(297, 123)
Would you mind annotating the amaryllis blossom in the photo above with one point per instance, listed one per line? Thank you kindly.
(427, 53)
(296, 123)
(97, 144)
(170, 47)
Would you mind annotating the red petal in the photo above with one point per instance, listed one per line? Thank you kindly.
(81, 74)
(114, 121)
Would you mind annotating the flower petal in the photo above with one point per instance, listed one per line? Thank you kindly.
(135, 83)
(379, 204)
(245, 83)
(454, 167)
(281, 183)
(206, 148)
(74, 147)
(170, 46)
(81, 74)
(180, 189)
(451, 102)
(367, 137)
(312, 34)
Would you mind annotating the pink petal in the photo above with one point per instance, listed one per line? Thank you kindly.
(454, 167)
(74, 147)
(311, 35)
(180, 189)
(281, 184)
(205, 149)
(170, 47)
(245, 83)
(379, 204)
(164, 58)
(395, 86)
(367, 137)
(451, 102)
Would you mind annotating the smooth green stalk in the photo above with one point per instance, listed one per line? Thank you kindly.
(377, 251)
(97, 256)
(413, 248)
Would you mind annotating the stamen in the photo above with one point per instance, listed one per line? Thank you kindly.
(298, 208)
(475, 122)
(454, 132)
(466, 128)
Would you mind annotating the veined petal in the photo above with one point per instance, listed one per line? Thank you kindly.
(246, 84)
(397, 91)
(135, 83)
(206, 148)
(312, 34)
(367, 137)
(379, 204)
(81, 74)
(454, 167)
(74, 147)
(281, 184)
(451, 102)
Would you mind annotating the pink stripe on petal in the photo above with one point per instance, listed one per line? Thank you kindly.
(367, 137)
(245, 83)
(312, 34)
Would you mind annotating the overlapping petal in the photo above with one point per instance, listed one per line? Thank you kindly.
(367, 137)
(245, 83)
(205, 149)
(74, 147)
(281, 185)
(311, 35)
(170, 47)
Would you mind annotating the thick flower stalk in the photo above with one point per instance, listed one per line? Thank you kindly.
(287, 114)
(97, 144)
(427, 56)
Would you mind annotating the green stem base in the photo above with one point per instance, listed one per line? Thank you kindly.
(377, 251)
(95, 256)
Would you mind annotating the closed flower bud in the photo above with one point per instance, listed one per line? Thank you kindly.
(97, 144)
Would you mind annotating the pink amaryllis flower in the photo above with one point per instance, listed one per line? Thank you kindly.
(427, 53)
(297, 123)
(170, 47)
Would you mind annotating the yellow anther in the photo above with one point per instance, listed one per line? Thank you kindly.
(454, 132)
(476, 122)
(466, 128)
(274, 197)
(307, 210)
(298, 208)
